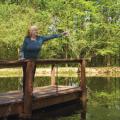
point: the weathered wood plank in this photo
(53, 81)
(55, 99)
(84, 91)
(27, 110)
(18, 63)
(12, 102)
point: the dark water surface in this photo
(103, 98)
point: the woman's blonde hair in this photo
(30, 28)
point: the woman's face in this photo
(33, 31)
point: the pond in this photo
(103, 98)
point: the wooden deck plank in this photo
(44, 96)
(13, 96)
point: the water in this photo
(103, 98)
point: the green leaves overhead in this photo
(94, 26)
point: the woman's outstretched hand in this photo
(65, 33)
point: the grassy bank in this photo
(65, 71)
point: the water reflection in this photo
(8, 84)
(103, 98)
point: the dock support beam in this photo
(53, 81)
(27, 97)
(84, 89)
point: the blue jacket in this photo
(31, 48)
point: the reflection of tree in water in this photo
(8, 84)
(69, 81)
(117, 92)
(103, 100)
(108, 95)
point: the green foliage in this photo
(93, 26)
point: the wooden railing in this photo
(29, 71)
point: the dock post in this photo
(53, 81)
(27, 100)
(84, 91)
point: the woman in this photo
(32, 46)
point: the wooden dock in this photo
(15, 103)
(11, 102)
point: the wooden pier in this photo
(15, 103)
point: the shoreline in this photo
(65, 72)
